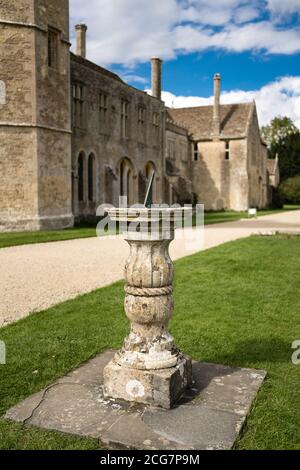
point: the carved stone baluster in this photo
(149, 368)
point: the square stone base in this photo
(161, 387)
(210, 415)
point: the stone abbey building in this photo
(73, 135)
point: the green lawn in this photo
(230, 216)
(236, 304)
(26, 238)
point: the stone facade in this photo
(35, 127)
(228, 158)
(178, 186)
(122, 130)
(74, 135)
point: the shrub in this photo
(290, 190)
(277, 199)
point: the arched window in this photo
(80, 171)
(128, 183)
(126, 180)
(91, 177)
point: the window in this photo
(124, 118)
(91, 172)
(103, 112)
(196, 152)
(141, 123)
(78, 106)
(155, 126)
(126, 180)
(183, 152)
(80, 177)
(52, 48)
(227, 150)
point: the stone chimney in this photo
(81, 30)
(216, 113)
(156, 77)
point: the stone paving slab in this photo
(208, 416)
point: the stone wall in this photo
(178, 165)
(238, 182)
(220, 183)
(53, 116)
(274, 180)
(18, 175)
(106, 143)
(257, 166)
(17, 10)
(40, 146)
(53, 13)
(54, 179)
(17, 71)
(18, 163)
(35, 130)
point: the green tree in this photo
(283, 139)
(290, 190)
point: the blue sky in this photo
(254, 45)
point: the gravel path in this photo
(35, 277)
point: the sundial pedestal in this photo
(149, 368)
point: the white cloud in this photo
(128, 32)
(132, 78)
(251, 36)
(284, 7)
(245, 14)
(131, 31)
(283, 95)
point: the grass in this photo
(231, 216)
(232, 307)
(25, 238)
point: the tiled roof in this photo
(198, 120)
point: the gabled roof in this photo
(198, 121)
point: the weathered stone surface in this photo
(35, 118)
(208, 416)
(200, 427)
(143, 144)
(162, 387)
(149, 368)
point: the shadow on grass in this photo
(257, 352)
